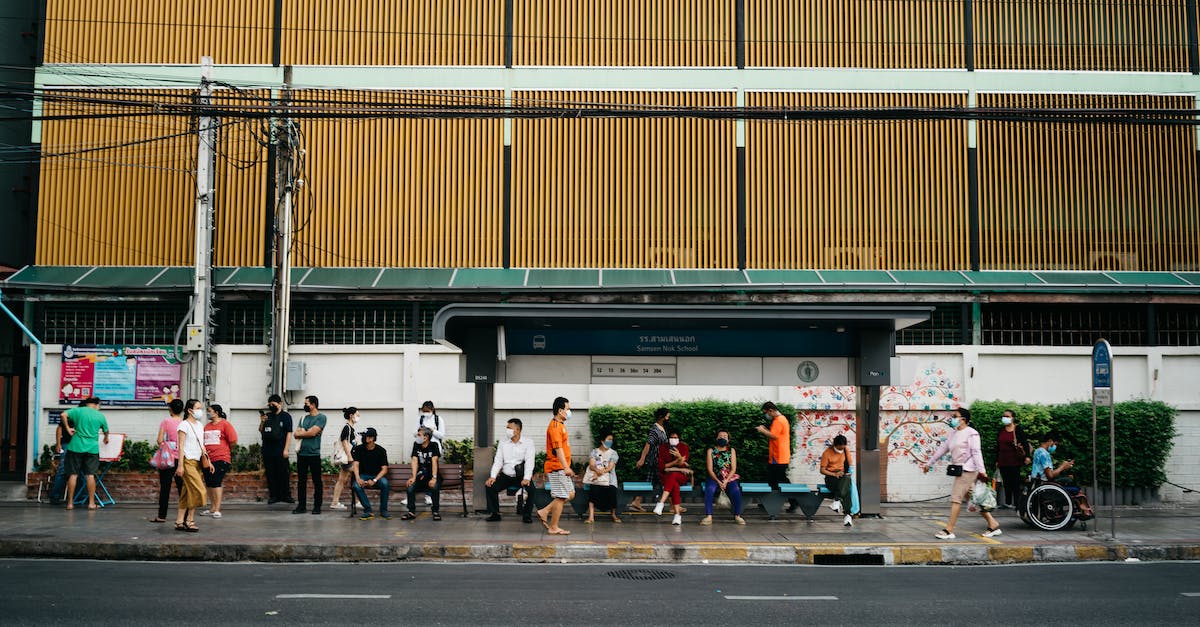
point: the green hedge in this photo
(697, 423)
(1145, 434)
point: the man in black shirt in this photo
(425, 457)
(370, 470)
(275, 426)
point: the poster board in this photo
(119, 375)
(112, 451)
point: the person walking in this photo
(779, 450)
(425, 476)
(192, 459)
(168, 431)
(656, 436)
(513, 465)
(343, 455)
(219, 438)
(966, 459)
(1012, 452)
(275, 425)
(835, 466)
(308, 456)
(601, 479)
(557, 467)
(675, 473)
(721, 463)
(84, 423)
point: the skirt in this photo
(192, 495)
(604, 497)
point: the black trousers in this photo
(305, 465)
(777, 474)
(1011, 475)
(276, 470)
(164, 489)
(503, 481)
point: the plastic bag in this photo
(723, 501)
(984, 496)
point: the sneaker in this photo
(404, 501)
(527, 520)
(216, 514)
(944, 535)
(677, 520)
(991, 533)
(338, 506)
(493, 518)
(207, 512)
(316, 511)
(428, 500)
(658, 509)
(385, 515)
(848, 521)
(366, 516)
(739, 520)
(300, 510)
(706, 521)
(836, 506)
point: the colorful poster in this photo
(119, 375)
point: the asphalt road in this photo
(47, 592)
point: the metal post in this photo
(200, 328)
(284, 130)
(484, 410)
(1112, 470)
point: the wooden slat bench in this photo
(398, 475)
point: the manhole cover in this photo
(641, 574)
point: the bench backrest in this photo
(451, 474)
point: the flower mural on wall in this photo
(824, 412)
(912, 420)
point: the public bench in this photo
(398, 475)
(807, 497)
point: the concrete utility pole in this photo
(199, 340)
(284, 137)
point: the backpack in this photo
(274, 428)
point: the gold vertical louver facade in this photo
(1108, 35)
(623, 33)
(1088, 197)
(624, 193)
(856, 194)
(396, 32)
(401, 192)
(158, 31)
(854, 33)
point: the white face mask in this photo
(511, 434)
(418, 439)
(567, 414)
(427, 414)
(197, 413)
(1006, 421)
(673, 441)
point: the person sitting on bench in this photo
(835, 465)
(425, 456)
(674, 471)
(722, 477)
(513, 466)
(370, 470)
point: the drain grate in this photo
(853, 559)
(641, 574)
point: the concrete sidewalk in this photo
(273, 534)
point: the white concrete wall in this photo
(388, 384)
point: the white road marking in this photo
(1190, 594)
(333, 596)
(731, 597)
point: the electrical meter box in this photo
(293, 379)
(195, 338)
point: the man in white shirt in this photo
(513, 465)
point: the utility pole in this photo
(199, 340)
(284, 131)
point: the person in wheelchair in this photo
(1043, 469)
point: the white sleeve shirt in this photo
(508, 455)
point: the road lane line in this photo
(1190, 594)
(731, 597)
(333, 596)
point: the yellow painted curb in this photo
(917, 555)
(533, 551)
(1010, 554)
(729, 553)
(631, 551)
(452, 551)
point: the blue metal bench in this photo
(807, 497)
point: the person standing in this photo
(656, 436)
(675, 473)
(275, 425)
(191, 456)
(967, 458)
(424, 477)
(601, 479)
(1012, 452)
(513, 465)
(722, 477)
(168, 431)
(429, 418)
(558, 471)
(779, 450)
(308, 457)
(62, 438)
(835, 466)
(219, 438)
(370, 471)
(343, 455)
(85, 424)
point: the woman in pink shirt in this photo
(168, 431)
(965, 451)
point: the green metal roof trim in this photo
(160, 278)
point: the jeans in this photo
(276, 471)
(306, 465)
(383, 486)
(164, 489)
(502, 483)
(422, 485)
(60, 479)
(733, 489)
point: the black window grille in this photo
(946, 325)
(110, 323)
(351, 323)
(1178, 325)
(242, 323)
(1012, 324)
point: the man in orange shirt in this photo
(559, 476)
(779, 450)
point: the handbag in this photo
(166, 456)
(954, 470)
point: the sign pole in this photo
(1102, 396)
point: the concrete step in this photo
(12, 491)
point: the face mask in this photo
(1006, 421)
(567, 414)
(418, 439)
(1052, 448)
(954, 423)
(510, 433)
(427, 414)
(673, 441)
(608, 444)
(197, 413)
(722, 442)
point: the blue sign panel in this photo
(707, 343)
(1102, 365)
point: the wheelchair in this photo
(1051, 506)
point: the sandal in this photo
(437, 516)
(634, 507)
(191, 527)
(180, 527)
(408, 516)
(157, 520)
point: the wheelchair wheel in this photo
(1049, 507)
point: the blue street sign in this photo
(1102, 365)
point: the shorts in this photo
(83, 464)
(561, 486)
(213, 479)
(963, 484)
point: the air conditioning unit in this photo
(1112, 260)
(853, 258)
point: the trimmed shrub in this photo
(459, 452)
(697, 423)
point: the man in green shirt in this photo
(308, 456)
(84, 423)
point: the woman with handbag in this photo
(343, 456)
(722, 477)
(1012, 452)
(166, 458)
(192, 454)
(966, 467)
(601, 479)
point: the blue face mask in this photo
(1006, 421)
(722, 442)
(608, 444)
(1052, 448)
(954, 423)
